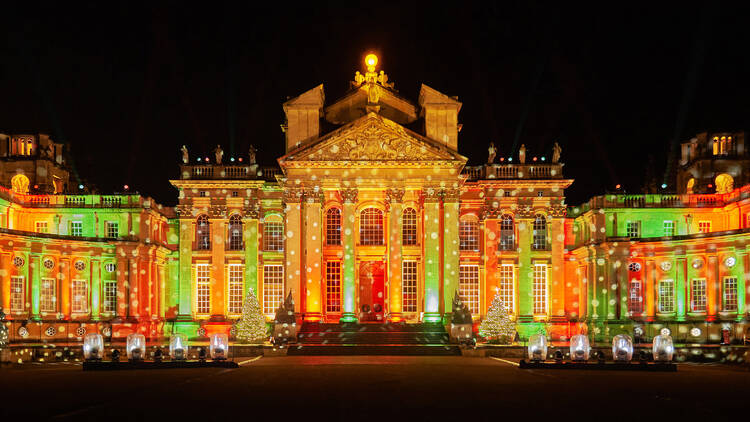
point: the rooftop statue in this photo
(252, 153)
(522, 154)
(556, 151)
(185, 158)
(492, 153)
(219, 154)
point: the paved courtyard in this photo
(368, 388)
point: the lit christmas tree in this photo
(3, 330)
(497, 324)
(251, 328)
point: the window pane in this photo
(371, 227)
(110, 296)
(17, 294)
(730, 294)
(468, 235)
(666, 296)
(409, 227)
(698, 295)
(539, 241)
(273, 236)
(506, 286)
(333, 286)
(235, 233)
(409, 286)
(48, 299)
(507, 234)
(236, 287)
(273, 288)
(635, 298)
(203, 233)
(468, 286)
(203, 289)
(80, 291)
(333, 227)
(540, 289)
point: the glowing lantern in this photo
(622, 348)
(178, 346)
(579, 347)
(537, 347)
(663, 348)
(93, 346)
(219, 344)
(371, 61)
(136, 346)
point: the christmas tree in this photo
(461, 313)
(285, 313)
(251, 327)
(497, 324)
(3, 330)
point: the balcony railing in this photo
(663, 200)
(228, 172)
(74, 201)
(513, 171)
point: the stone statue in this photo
(556, 151)
(219, 154)
(492, 153)
(185, 158)
(522, 154)
(358, 78)
(252, 153)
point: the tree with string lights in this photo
(497, 325)
(252, 328)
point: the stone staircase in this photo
(373, 339)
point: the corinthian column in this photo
(293, 242)
(450, 247)
(432, 255)
(313, 255)
(395, 199)
(349, 197)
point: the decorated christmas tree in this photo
(251, 327)
(497, 324)
(3, 330)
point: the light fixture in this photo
(537, 348)
(178, 346)
(136, 346)
(93, 346)
(663, 348)
(622, 348)
(371, 61)
(579, 348)
(219, 345)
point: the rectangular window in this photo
(635, 298)
(468, 286)
(730, 294)
(47, 297)
(273, 288)
(507, 272)
(236, 287)
(112, 229)
(110, 296)
(666, 296)
(203, 289)
(76, 228)
(41, 227)
(633, 229)
(540, 289)
(704, 226)
(273, 237)
(17, 294)
(333, 286)
(80, 293)
(669, 228)
(698, 295)
(409, 286)
(468, 235)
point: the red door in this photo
(371, 292)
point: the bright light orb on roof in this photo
(371, 60)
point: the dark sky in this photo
(126, 87)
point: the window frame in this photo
(540, 289)
(333, 287)
(48, 295)
(633, 229)
(235, 288)
(76, 226)
(109, 297)
(661, 297)
(730, 295)
(469, 234)
(409, 227)
(79, 296)
(273, 288)
(507, 233)
(235, 227)
(540, 233)
(507, 286)
(110, 228)
(273, 234)
(17, 298)
(202, 289)
(371, 227)
(669, 228)
(333, 226)
(202, 233)
(469, 287)
(409, 286)
(698, 295)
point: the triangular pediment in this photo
(372, 138)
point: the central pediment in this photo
(372, 138)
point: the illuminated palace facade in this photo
(374, 216)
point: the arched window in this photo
(371, 227)
(235, 233)
(333, 227)
(468, 234)
(507, 233)
(539, 241)
(202, 233)
(273, 234)
(409, 227)
(716, 146)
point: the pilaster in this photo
(395, 199)
(450, 248)
(96, 288)
(349, 197)
(313, 256)
(293, 243)
(431, 198)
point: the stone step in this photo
(368, 349)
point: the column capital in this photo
(395, 195)
(432, 194)
(251, 210)
(311, 196)
(349, 195)
(217, 211)
(451, 195)
(292, 195)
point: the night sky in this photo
(617, 88)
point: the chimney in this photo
(303, 117)
(440, 114)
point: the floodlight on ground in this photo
(622, 348)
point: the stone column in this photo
(395, 198)
(556, 272)
(525, 271)
(293, 243)
(33, 269)
(713, 288)
(65, 287)
(95, 266)
(349, 197)
(681, 283)
(187, 233)
(250, 237)
(218, 266)
(431, 225)
(313, 300)
(450, 248)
